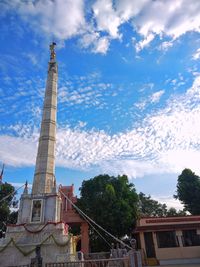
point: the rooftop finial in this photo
(26, 187)
(52, 49)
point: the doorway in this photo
(149, 245)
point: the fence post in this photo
(135, 258)
(37, 261)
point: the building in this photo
(169, 240)
(72, 218)
(39, 226)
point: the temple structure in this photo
(72, 218)
(40, 226)
(169, 241)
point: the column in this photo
(84, 238)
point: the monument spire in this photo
(44, 177)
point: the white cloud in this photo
(95, 42)
(82, 124)
(165, 142)
(102, 45)
(89, 38)
(141, 105)
(127, 9)
(145, 42)
(17, 151)
(169, 201)
(171, 18)
(64, 19)
(179, 159)
(90, 94)
(156, 96)
(149, 18)
(106, 17)
(166, 45)
(31, 57)
(60, 18)
(152, 99)
(196, 55)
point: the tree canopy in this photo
(112, 203)
(188, 191)
(6, 215)
(151, 207)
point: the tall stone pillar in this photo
(39, 226)
(44, 177)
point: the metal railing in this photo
(117, 262)
(131, 260)
(96, 255)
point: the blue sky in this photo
(128, 90)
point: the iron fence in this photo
(96, 255)
(131, 260)
(118, 262)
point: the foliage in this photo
(6, 216)
(112, 203)
(151, 207)
(188, 191)
(173, 212)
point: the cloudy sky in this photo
(128, 90)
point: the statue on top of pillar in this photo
(52, 50)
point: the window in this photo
(65, 204)
(36, 210)
(190, 238)
(166, 239)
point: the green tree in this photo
(188, 191)
(151, 207)
(6, 216)
(112, 203)
(173, 212)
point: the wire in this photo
(88, 222)
(96, 231)
(12, 193)
(86, 217)
(91, 220)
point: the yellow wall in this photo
(172, 253)
(177, 253)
